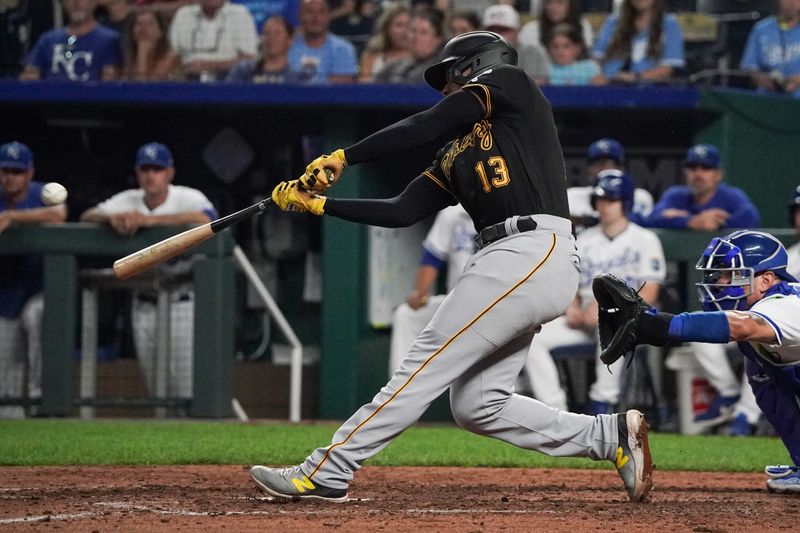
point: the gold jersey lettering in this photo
(480, 130)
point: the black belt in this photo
(489, 234)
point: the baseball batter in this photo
(621, 247)
(504, 165)
(158, 202)
(748, 297)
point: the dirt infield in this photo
(216, 498)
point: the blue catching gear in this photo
(615, 185)
(730, 263)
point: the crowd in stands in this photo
(560, 42)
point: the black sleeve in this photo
(448, 116)
(421, 198)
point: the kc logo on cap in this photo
(16, 155)
(154, 154)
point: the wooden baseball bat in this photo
(177, 244)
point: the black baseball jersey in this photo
(510, 161)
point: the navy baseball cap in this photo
(16, 155)
(154, 154)
(703, 154)
(607, 149)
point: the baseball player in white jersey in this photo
(750, 298)
(618, 246)
(158, 202)
(450, 240)
(604, 154)
(504, 164)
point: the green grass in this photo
(74, 442)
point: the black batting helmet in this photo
(468, 55)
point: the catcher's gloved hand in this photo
(290, 197)
(620, 314)
(323, 172)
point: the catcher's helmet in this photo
(794, 205)
(730, 263)
(468, 55)
(616, 185)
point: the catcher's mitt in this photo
(621, 310)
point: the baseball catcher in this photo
(749, 297)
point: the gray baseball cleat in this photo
(292, 484)
(633, 461)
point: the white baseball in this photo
(54, 193)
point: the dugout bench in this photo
(64, 246)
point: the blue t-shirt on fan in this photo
(264, 9)
(61, 56)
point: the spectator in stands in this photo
(617, 246)
(82, 51)
(391, 42)
(642, 43)
(462, 21)
(532, 58)
(21, 303)
(211, 37)
(427, 41)
(772, 53)
(569, 65)
(322, 56)
(148, 54)
(355, 22)
(168, 8)
(704, 203)
(114, 14)
(553, 13)
(264, 9)
(273, 66)
(158, 202)
(603, 154)
(794, 221)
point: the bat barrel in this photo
(161, 251)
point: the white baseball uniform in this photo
(793, 267)
(180, 199)
(636, 256)
(450, 239)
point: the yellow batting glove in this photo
(290, 197)
(323, 172)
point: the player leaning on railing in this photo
(504, 165)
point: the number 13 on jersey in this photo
(498, 166)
